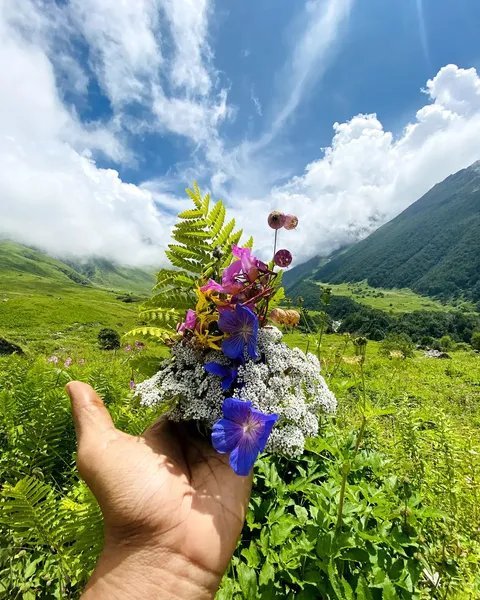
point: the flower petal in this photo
(226, 435)
(229, 378)
(268, 421)
(243, 457)
(215, 368)
(228, 321)
(233, 346)
(236, 410)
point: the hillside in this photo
(17, 260)
(433, 247)
(47, 304)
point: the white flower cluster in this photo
(284, 381)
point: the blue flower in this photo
(242, 325)
(243, 432)
(228, 374)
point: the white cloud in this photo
(51, 193)
(189, 24)
(124, 45)
(319, 29)
(367, 176)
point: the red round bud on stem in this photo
(276, 219)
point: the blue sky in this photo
(111, 109)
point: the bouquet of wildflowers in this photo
(229, 369)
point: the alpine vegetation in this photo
(229, 370)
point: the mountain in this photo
(432, 247)
(17, 260)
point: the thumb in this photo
(91, 419)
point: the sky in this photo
(342, 112)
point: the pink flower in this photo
(53, 359)
(68, 362)
(190, 321)
(139, 345)
(291, 221)
(212, 285)
(249, 263)
(128, 348)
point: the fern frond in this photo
(154, 332)
(224, 235)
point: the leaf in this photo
(247, 579)
(267, 573)
(388, 592)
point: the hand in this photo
(173, 508)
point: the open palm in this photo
(166, 488)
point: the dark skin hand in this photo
(172, 506)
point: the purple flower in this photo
(68, 362)
(242, 325)
(139, 345)
(212, 285)
(128, 348)
(228, 374)
(243, 432)
(282, 258)
(131, 384)
(53, 359)
(190, 321)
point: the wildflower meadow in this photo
(366, 454)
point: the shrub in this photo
(475, 341)
(397, 342)
(108, 339)
(446, 343)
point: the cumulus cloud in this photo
(367, 175)
(51, 192)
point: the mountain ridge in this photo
(432, 247)
(17, 259)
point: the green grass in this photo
(392, 301)
(44, 314)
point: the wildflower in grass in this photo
(128, 348)
(282, 258)
(53, 359)
(131, 384)
(68, 362)
(276, 219)
(291, 221)
(139, 345)
(243, 433)
(242, 326)
(81, 361)
(228, 374)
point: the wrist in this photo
(127, 570)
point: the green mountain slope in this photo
(49, 305)
(433, 247)
(19, 260)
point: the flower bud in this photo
(277, 315)
(282, 258)
(291, 221)
(292, 317)
(276, 219)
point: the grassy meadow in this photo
(388, 300)
(383, 505)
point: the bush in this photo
(397, 342)
(108, 339)
(475, 341)
(446, 343)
